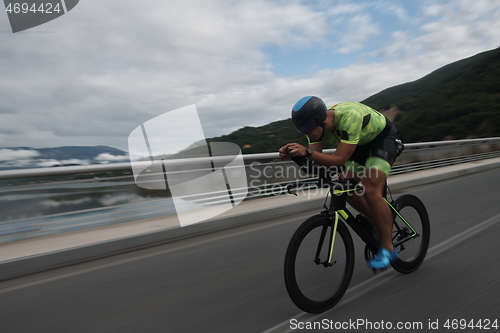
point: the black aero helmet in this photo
(308, 113)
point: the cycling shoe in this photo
(383, 259)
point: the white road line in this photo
(374, 282)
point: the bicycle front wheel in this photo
(315, 283)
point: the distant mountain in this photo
(26, 157)
(457, 101)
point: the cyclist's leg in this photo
(374, 180)
(382, 153)
(357, 201)
(378, 157)
(355, 169)
(374, 183)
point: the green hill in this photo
(460, 100)
(264, 139)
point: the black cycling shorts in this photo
(380, 153)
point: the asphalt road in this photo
(232, 281)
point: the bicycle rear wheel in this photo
(313, 284)
(411, 233)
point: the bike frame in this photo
(339, 192)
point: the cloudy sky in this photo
(93, 75)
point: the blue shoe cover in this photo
(383, 259)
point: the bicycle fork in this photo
(339, 197)
(317, 259)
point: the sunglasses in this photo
(308, 126)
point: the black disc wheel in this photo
(410, 233)
(314, 282)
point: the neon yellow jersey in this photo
(355, 123)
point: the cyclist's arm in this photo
(294, 149)
(342, 154)
(317, 146)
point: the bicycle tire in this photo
(306, 291)
(414, 211)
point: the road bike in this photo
(319, 260)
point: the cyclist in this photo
(366, 145)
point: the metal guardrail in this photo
(41, 172)
(412, 167)
(413, 160)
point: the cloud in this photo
(359, 29)
(448, 31)
(109, 66)
(54, 162)
(107, 157)
(395, 9)
(17, 154)
(111, 76)
(433, 9)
